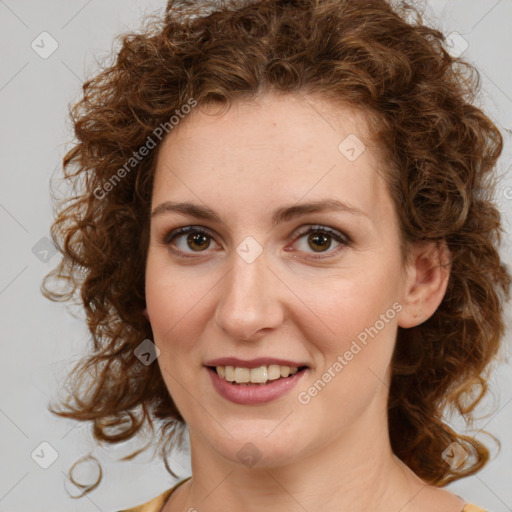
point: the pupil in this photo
(320, 240)
(199, 240)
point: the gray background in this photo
(40, 339)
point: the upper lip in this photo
(252, 363)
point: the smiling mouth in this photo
(260, 375)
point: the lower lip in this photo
(247, 394)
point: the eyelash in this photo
(343, 239)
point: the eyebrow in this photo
(282, 214)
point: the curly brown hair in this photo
(440, 153)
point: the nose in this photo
(249, 303)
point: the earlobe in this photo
(427, 279)
(145, 313)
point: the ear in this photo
(427, 275)
(145, 313)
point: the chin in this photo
(257, 448)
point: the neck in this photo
(354, 473)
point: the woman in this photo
(284, 241)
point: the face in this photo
(274, 248)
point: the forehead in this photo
(271, 150)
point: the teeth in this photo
(274, 372)
(242, 374)
(259, 375)
(230, 373)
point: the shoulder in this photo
(472, 508)
(157, 503)
(154, 505)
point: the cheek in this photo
(350, 304)
(179, 305)
(358, 322)
(174, 300)
(354, 352)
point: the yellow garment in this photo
(156, 504)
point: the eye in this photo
(188, 239)
(320, 239)
(314, 239)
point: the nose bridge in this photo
(248, 302)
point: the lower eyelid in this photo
(331, 252)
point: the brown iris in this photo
(199, 240)
(319, 242)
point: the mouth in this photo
(254, 381)
(260, 375)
